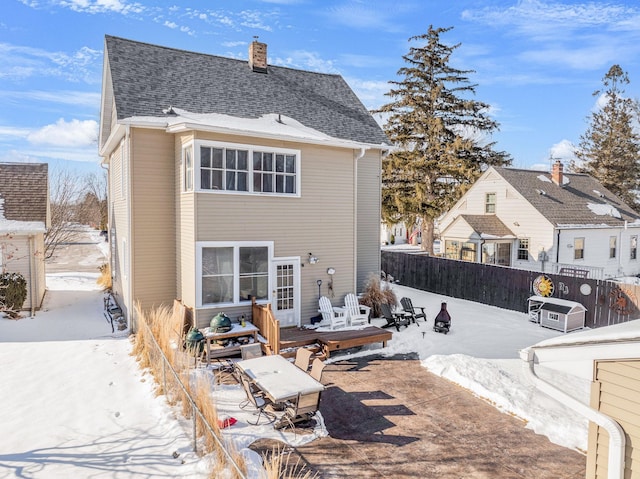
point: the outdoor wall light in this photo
(313, 259)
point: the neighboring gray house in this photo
(24, 219)
(229, 178)
(555, 222)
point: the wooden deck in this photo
(333, 340)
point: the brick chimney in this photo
(556, 173)
(258, 56)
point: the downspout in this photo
(615, 465)
(355, 217)
(557, 248)
(32, 277)
(130, 310)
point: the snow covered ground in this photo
(74, 403)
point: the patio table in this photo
(280, 379)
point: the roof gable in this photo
(24, 192)
(487, 226)
(148, 79)
(580, 201)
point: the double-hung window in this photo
(187, 169)
(233, 273)
(247, 168)
(633, 252)
(523, 249)
(490, 203)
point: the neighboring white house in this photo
(24, 219)
(559, 223)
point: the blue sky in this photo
(536, 62)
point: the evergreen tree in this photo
(610, 148)
(438, 132)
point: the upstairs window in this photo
(633, 252)
(578, 248)
(523, 249)
(612, 246)
(490, 203)
(248, 169)
(187, 169)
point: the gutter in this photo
(615, 464)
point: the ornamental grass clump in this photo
(377, 292)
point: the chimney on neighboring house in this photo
(556, 173)
(258, 56)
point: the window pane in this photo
(280, 163)
(230, 159)
(257, 161)
(267, 161)
(290, 184)
(256, 286)
(216, 180)
(205, 157)
(291, 164)
(217, 261)
(205, 179)
(242, 181)
(217, 289)
(279, 184)
(267, 183)
(231, 180)
(257, 182)
(242, 160)
(217, 158)
(254, 260)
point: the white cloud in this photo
(564, 150)
(64, 97)
(305, 60)
(256, 19)
(97, 6)
(18, 62)
(75, 133)
(169, 24)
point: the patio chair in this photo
(357, 314)
(316, 369)
(302, 358)
(410, 310)
(334, 319)
(302, 409)
(393, 319)
(249, 351)
(255, 399)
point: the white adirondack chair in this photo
(358, 314)
(334, 319)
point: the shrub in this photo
(377, 292)
(13, 293)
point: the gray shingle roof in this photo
(24, 189)
(148, 78)
(567, 204)
(488, 225)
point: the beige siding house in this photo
(553, 222)
(228, 179)
(609, 358)
(24, 219)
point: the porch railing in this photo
(269, 326)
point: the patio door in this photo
(285, 297)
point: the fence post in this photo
(195, 428)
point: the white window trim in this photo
(553, 316)
(250, 148)
(200, 245)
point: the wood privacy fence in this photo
(607, 302)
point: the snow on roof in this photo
(629, 331)
(13, 226)
(604, 209)
(544, 178)
(272, 125)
